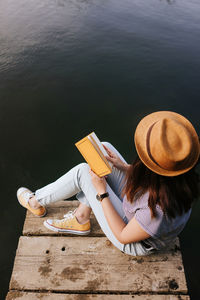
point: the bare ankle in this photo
(81, 221)
(82, 213)
(34, 203)
(81, 217)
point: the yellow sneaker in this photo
(68, 224)
(23, 196)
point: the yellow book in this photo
(94, 153)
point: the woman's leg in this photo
(115, 181)
(66, 186)
(78, 180)
(75, 182)
(63, 188)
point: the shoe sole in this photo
(47, 225)
(41, 215)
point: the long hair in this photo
(173, 194)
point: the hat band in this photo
(148, 144)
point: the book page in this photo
(100, 149)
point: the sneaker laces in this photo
(70, 214)
(67, 216)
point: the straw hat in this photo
(167, 143)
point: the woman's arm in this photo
(125, 233)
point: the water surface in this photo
(68, 67)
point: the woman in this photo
(141, 207)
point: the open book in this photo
(95, 154)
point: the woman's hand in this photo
(114, 158)
(98, 182)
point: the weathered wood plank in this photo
(34, 225)
(35, 296)
(93, 264)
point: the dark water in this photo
(68, 67)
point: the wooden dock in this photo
(60, 266)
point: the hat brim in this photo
(141, 147)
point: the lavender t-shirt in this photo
(162, 229)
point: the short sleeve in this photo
(149, 224)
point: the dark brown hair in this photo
(173, 194)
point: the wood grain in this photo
(93, 264)
(51, 296)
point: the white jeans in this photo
(78, 182)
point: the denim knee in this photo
(84, 167)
